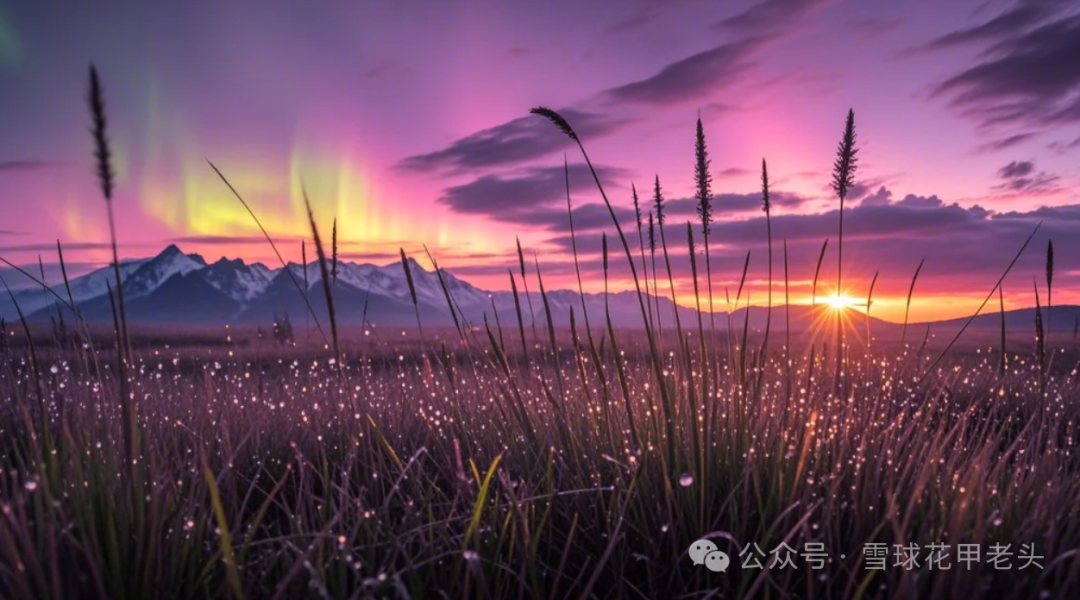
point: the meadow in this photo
(507, 460)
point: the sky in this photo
(409, 123)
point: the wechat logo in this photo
(705, 552)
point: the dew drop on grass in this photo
(30, 485)
(686, 480)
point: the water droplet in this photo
(686, 480)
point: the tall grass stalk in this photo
(450, 303)
(738, 297)
(334, 253)
(703, 369)
(981, 306)
(703, 195)
(907, 304)
(817, 273)
(843, 179)
(1003, 367)
(1049, 284)
(412, 291)
(307, 288)
(787, 323)
(573, 247)
(656, 289)
(525, 283)
(325, 273)
(106, 176)
(869, 303)
(641, 249)
(658, 203)
(1040, 337)
(105, 173)
(560, 122)
(273, 246)
(766, 208)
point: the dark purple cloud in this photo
(1028, 73)
(513, 197)
(1005, 143)
(690, 78)
(652, 10)
(732, 172)
(1016, 169)
(27, 165)
(1010, 22)
(965, 248)
(1062, 147)
(522, 139)
(722, 66)
(881, 197)
(51, 247)
(1021, 177)
(767, 16)
(731, 203)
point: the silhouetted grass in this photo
(567, 469)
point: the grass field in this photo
(498, 461)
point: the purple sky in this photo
(409, 123)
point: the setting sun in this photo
(840, 301)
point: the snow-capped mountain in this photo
(237, 280)
(178, 288)
(174, 288)
(91, 285)
(156, 271)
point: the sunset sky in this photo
(409, 122)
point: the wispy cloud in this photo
(1005, 143)
(1016, 169)
(1011, 21)
(28, 165)
(768, 16)
(514, 142)
(51, 247)
(1062, 147)
(1027, 74)
(874, 26)
(1020, 177)
(732, 172)
(225, 240)
(692, 77)
(514, 197)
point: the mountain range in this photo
(177, 288)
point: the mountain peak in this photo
(414, 264)
(228, 262)
(169, 251)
